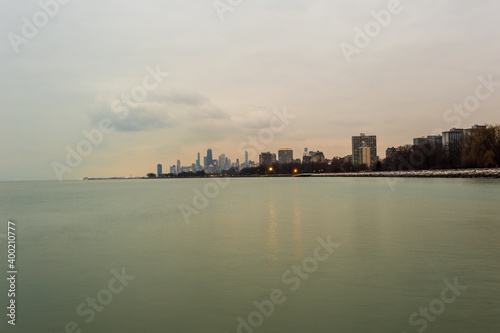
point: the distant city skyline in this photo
(364, 150)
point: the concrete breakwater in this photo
(451, 173)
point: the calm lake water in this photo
(254, 240)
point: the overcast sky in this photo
(226, 77)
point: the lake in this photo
(254, 255)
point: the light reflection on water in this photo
(396, 250)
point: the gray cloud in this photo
(138, 119)
(159, 110)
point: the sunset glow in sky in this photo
(225, 78)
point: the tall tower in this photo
(222, 162)
(159, 172)
(246, 158)
(210, 159)
(357, 142)
(198, 160)
(178, 166)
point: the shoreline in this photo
(443, 173)
(447, 173)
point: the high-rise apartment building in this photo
(246, 158)
(474, 129)
(453, 137)
(433, 139)
(420, 141)
(159, 170)
(285, 155)
(178, 166)
(369, 141)
(266, 158)
(365, 155)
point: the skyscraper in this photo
(357, 142)
(285, 155)
(178, 166)
(222, 162)
(198, 161)
(246, 158)
(210, 159)
(158, 170)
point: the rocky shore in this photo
(454, 173)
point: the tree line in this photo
(479, 148)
